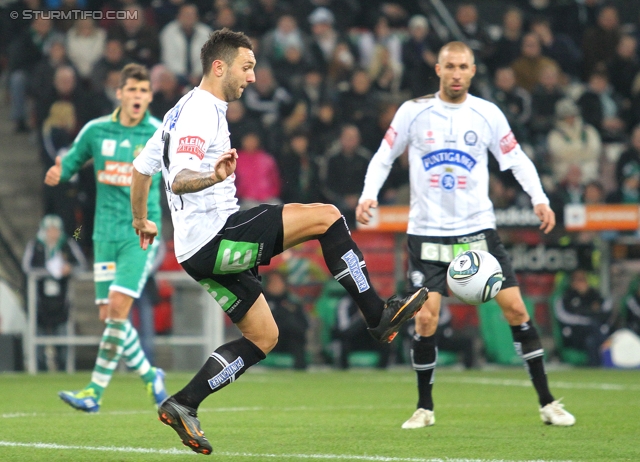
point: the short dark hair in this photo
(222, 44)
(133, 71)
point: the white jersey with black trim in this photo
(448, 148)
(199, 134)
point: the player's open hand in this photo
(225, 165)
(547, 217)
(363, 211)
(147, 230)
(52, 178)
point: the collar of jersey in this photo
(217, 100)
(116, 119)
(451, 105)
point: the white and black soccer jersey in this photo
(199, 134)
(448, 148)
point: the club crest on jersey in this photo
(429, 139)
(448, 181)
(448, 157)
(191, 145)
(470, 138)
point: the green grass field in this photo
(329, 415)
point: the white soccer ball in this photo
(475, 277)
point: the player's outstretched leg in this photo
(134, 357)
(302, 222)
(88, 399)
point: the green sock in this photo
(134, 355)
(111, 347)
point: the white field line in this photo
(181, 452)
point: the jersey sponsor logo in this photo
(235, 256)
(508, 142)
(104, 271)
(353, 265)
(192, 145)
(470, 138)
(227, 373)
(390, 136)
(108, 148)
(115, 173)
(432, 251)
(450, 157)
(222, 296)
(429, 139)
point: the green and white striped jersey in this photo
(113, 147)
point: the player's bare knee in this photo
(426, 322)
(515, 313)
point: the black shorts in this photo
(227, 266)
(429, 258)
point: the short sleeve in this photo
(149, 161)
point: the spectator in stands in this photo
(313, 90)
(24, 53)
(85, 46)
(325, 128)
(350, 334)
(573, 142)
(165, 11)
(343, 170)
(225, 17)
(113, 59)
(299, 171)
(324, 38)
(384, 72)
(624, 67)
(558, 46)
(509, 44)
(530, 64)
(41, 79)
(258, 179)
(602, 107)
(294, 121)
(569, 190)
(263, 16)
(600, 41)
(286, 34)
(382, 36)
(240, 124)
(544, 97)
(340, 67)
(513, 100)
(584, 316)
(574, 17)
(628, 190)
(475, 34)
(166, 91)
(266, 100)
(357, 105)
(180, 44)
(630, 158)
(290, 70)
(58, 255)
(419, 57)
(373, 133)
(290, 317)
(140, 39)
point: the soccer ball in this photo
(475, 277)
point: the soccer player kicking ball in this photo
(121, 268)
(221, 247)
(448, 135)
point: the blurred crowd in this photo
(330, 76)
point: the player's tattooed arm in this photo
(189, 181)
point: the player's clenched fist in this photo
(52, 178)
(363, 211)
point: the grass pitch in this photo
(271, 415)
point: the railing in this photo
(211, 336)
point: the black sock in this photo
(424, 355)
(345, 262)
(224, 366)
(528, 346)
